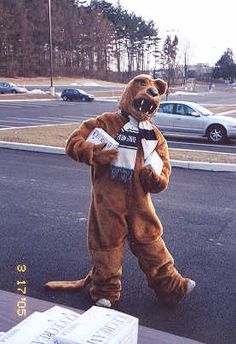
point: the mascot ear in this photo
(161, 85)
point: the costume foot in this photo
(172, 300)
(103, 303)
(190, 286)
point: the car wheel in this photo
(13, 91)
(216, 134)
(83, 99)
(65, 98)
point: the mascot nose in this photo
(152, 92)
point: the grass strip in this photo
(56, 135)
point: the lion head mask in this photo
(142, 96)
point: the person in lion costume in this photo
(121, 206)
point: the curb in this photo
(32, 147)
(191, 165)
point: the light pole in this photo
(52, 88)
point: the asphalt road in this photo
(221, 94)
(34, 113)
(207, 98)
(44, 201)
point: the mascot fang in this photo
(121, 208)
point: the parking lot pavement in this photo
(44, 205)
(37, 113)
(33, 113)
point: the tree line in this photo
(90, 38)
(95, 39)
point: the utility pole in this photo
(52, 88)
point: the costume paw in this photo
(149, 179)
(104, 157)
(103, 303)
(190, 286)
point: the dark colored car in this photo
(70, 94)
(9, 87)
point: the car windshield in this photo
(202, 110)
(11, 84)
(81, 91)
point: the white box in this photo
(41, 328)
(103, 326)
(155, 162)
(25, 330)
(99, 135)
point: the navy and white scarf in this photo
(128, 138)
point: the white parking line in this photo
(37, 126)
(216, 105)
(46, 119)
(199, 144)
(16, 122)
(28, 105)
(85, 116)
(62, 119)
(10, 106)
(227, 112)
(204, 151)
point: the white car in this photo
(9, 87)
(188, 119)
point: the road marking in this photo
(216, 105)
(73, 116)
(63, 119)
(8, 106)
(201, 144)
(26, 100)
(42, 119)
(6, 121)
(203, 151)
(36, 126)
(227, 112)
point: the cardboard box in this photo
(102, 326)
(155, 162)
(99, 135)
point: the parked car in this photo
(9, 87)
(187, 118)
(70, 94)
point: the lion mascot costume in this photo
(121, 206)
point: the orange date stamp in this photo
(21, 305)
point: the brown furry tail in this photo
(69, 285)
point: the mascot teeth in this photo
(144, 106)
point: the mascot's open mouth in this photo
(144, 106)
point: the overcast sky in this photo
(208, 26)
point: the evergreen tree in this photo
(225, 67)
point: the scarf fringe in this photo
(121, 174)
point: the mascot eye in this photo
(142, 82)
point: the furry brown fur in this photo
(119, 211)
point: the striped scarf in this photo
(128, 138)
